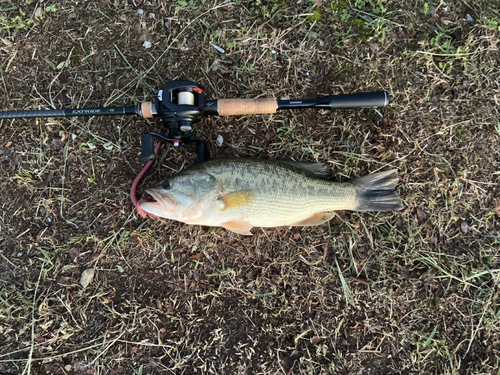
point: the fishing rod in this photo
(180, 104)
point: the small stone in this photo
(469, 18)
(140, 11)
(68, 367)
(146, 44)
(464, 226)
(219, 49)
(87, 277)
(219, 140)
(38, 14)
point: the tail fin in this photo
(375, 192)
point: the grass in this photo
(409, 293)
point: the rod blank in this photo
(72, 112)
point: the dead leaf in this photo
(47, 179)
(7, 42)
(57, 144)
(433, 19)
(496, 211)
(421, 216)
(400, 35)
(8, 144)
(163, 333)
(315, 340)
(120, 370)
(133, 349)
(135, 238)
(360, 280)
(196, 256)
(72, 158)
(457, 34)
(87, 277)
(79, 366)
(63, 280)
(73, 254)
(374, 47)
(296, 236)
(39, 338)
(289, 363)
(269, 134)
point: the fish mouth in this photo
(162, 205)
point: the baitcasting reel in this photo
(180, 104)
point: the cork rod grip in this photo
(146, 110)
(231, 107)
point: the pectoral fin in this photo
(316, 219)
(240, 227)
(237, 199)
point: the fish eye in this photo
(167, 185)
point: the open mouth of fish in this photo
(160, 203)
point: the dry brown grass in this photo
(394, 293)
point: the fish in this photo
(242, 193)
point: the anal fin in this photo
(316, 219)
(240, 227)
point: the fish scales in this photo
(283, 193)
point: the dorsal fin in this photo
(316, 170)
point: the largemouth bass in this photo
(239, 194)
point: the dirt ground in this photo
(409, 292)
